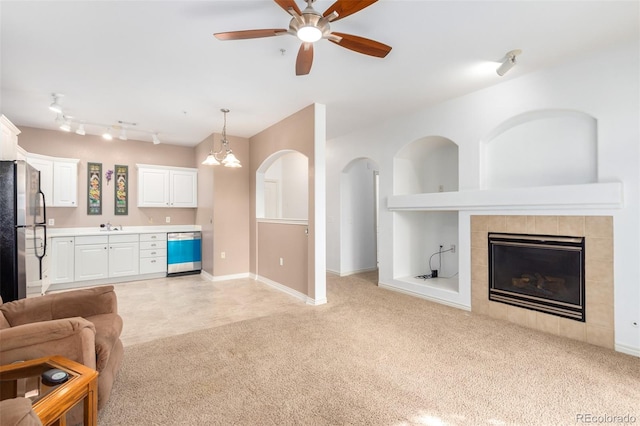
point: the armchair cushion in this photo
(18, 412)
(108, 330)
(78, 303)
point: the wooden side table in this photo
(51, 403)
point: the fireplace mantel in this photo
(583, 196)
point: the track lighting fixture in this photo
(508, 62)
(107, 135)
(55, 106)
(65, 123)
(224, 154)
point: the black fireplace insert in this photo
(539, 272)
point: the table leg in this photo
(91, 404)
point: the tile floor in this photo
(164, 307)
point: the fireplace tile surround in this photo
(598, 329)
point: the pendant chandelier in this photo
(224, 155)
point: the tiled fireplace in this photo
(598, 327)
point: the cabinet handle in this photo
(153, 252)
(153, 261)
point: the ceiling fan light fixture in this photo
(309, 33)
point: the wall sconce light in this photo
(224, 155)
(508, 62)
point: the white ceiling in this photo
(156, 63)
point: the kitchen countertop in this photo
(72, 232)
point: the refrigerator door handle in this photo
(44, 204)
(40, 256)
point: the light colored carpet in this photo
(371, 357)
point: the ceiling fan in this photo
(310, 26)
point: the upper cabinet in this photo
(8, 139)
(162, 186)
(58, 179)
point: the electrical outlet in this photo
(281, 262)
(52, 222)
(167, 219)
(453, 248)
(223, 255)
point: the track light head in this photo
(156, 140)
(55, 106)
(508, 62)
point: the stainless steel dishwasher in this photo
(184, 253)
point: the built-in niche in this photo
(427, 165)
(282, 187)
(540, 148)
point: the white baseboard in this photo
(629, 350)
(230, 277)
(423, 296)
(288, 290)
(358, 271)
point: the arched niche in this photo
(359, 216)
(541, 148)
(282, 186)
(429, 164)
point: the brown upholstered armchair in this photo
(81, 325)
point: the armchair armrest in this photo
(76, 303)
(73, 338)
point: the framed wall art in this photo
(94, 188)
(121, 203)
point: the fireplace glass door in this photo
(539, 272)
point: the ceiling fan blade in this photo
(362, 45)
(345, 8)
(241, 35)
(305, 59)
(286, 4)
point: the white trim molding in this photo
(291, 292)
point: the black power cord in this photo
(434, 272)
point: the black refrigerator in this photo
(22, 223)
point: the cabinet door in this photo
(91, 262)
(153, 188)
(46, 176)
(184, 188)
(61, 262)
(123, 259)
(65, 184)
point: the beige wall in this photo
(291, 248)
(294, 132)
(223, 211)
(91, 148)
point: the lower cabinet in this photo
(62, 260)
(153, 253)
(123, 255)
(100, 257)
(105, 256)
(91, 258)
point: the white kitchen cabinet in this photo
(91, 258)
(58, 179)
(124, 255)
(161, 186)
(61, 264)
(65, 183)
(8, 139)
(153, 253)
(34, 282)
